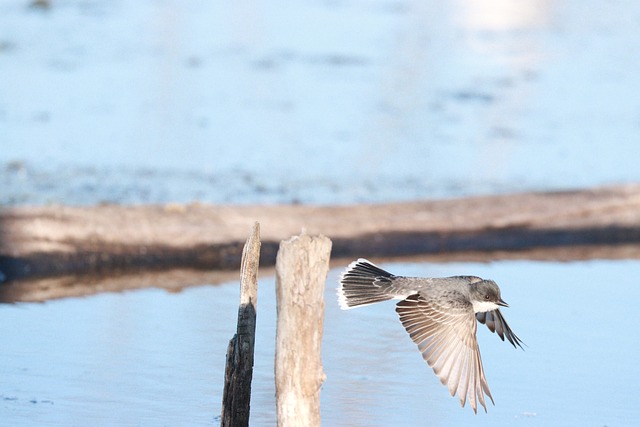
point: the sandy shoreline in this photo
(49, 252)
(49, 241)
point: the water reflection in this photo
(158, 358)
(504, 15)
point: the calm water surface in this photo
(314, 102)
(149, 357)
(319, 102)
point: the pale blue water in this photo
(324, 102)
(319, 102)
(148, 357)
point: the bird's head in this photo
(485, 296)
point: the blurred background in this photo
(314, 102)
(329, 102)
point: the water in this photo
(148, 357)
(314, 102)
(318, 102)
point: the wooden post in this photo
(239, 369)
(301, 271)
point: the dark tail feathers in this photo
(363, 283)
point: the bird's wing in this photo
(447, 340)
(496, 323)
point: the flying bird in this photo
(440, 315)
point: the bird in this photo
(440, 315)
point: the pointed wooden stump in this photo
(239, 369)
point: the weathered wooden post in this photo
(239, 369)
(301, 271)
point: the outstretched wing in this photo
(447, 341)
(496, 323)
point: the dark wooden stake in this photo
(239, 369)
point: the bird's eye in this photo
(487, 297)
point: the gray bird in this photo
(440, 315)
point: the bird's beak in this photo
(502, 303)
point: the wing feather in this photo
(446, 338)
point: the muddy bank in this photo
(47, 288)
(48, 241)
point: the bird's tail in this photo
(364, 283)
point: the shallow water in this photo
(323, 102)
(149, 357)
(317, 101)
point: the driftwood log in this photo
(48, 241)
